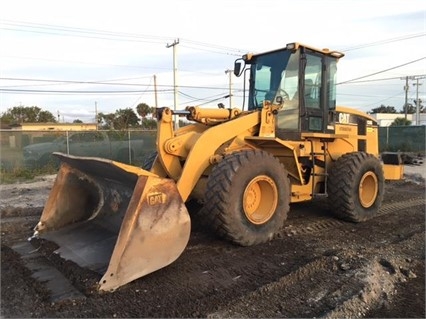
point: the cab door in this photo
(312, 108)
(309, 83)
(318, 99)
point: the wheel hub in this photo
(260, 199)
(368, 189)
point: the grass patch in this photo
(21, 174)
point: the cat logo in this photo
(344, 118)
(156, 198)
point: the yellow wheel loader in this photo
(291, 144)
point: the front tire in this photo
(356, 186)
(247, 197)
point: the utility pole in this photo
(406, 97)
(417, 101)
(155, 91)
(406, 87)
(174, 44)
(230, 86)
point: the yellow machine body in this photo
(245, 166)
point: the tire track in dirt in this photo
(361, 283)
(306, 288)
(321, 223)
(302, 226)
(392, 207)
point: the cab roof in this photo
(297, 46)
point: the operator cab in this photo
(301, 79)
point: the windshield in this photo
(273, 75)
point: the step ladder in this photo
(314, 174)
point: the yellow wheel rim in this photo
(368, 189)
(260, 199)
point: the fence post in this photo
(68, 142)
(130, 150)
(387, 138)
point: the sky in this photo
(78, 58)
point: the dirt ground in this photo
(317, 266)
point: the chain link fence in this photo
(402, 138)
(33, 149)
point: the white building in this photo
(386, 119)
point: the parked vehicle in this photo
(90, 143)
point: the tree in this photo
(401, 121)
(149, 124)
(144, 109)
(383, 109)
(106, 121)
(421, 107)
(411, 109)
(122, 119)
(77, 121)
(27, 114)
(125, 118)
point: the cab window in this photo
(312, 81)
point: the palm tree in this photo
(400, 121)
(143, 110)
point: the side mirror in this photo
(238, 67)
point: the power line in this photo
(79, 32)
(105, 82)
(395, 67)
(89, 63)
(108, 82)
(386, 41)
(195, 99)
(104, 35)
(381, 79)
(381, 101)
(60, 92)
(96, 82)
(7, 90)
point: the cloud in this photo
(106, 41)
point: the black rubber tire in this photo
(224, 205)
(344, 186)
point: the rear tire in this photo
(356, 186)
(247, 197)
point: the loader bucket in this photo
(118, 220)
